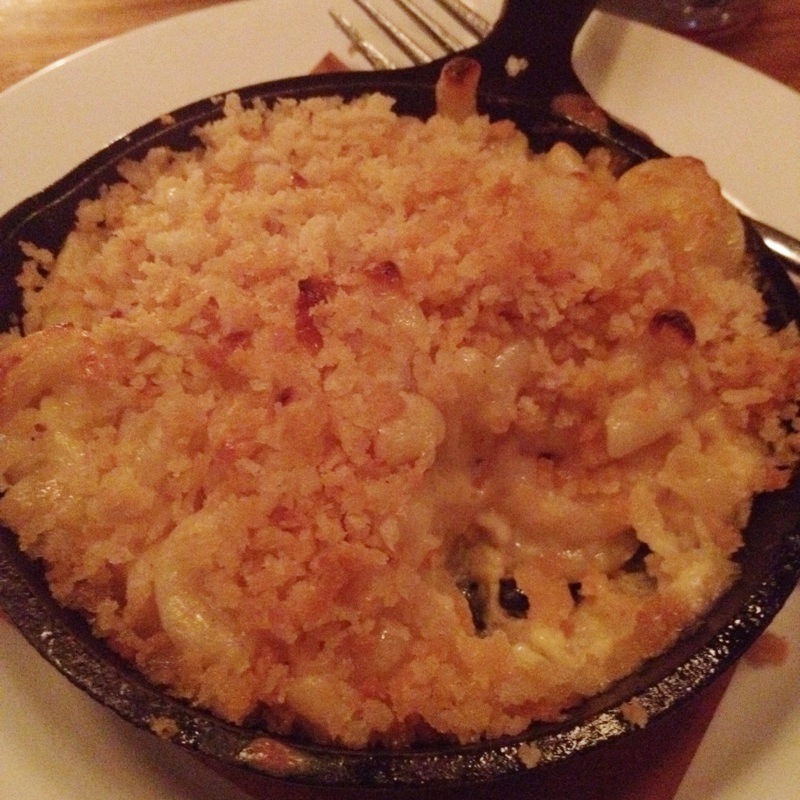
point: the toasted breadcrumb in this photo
(515, 65)
(529, 754)
(164, 727)
(634, 712)
(385, 430)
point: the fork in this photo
(473, 27)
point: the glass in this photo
(705, 19)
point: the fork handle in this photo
(537, 35)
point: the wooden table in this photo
(34, 33)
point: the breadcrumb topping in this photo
(386, 430)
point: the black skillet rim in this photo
(700, 657)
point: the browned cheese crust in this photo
(381, 428)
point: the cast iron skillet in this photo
(542, 31)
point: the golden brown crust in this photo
(388, 429)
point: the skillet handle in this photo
(543, 33)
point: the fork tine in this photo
(427, 23)
(376, 59)
(470, 19)
(412, 49)
(461, 13)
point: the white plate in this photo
(56, 744)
